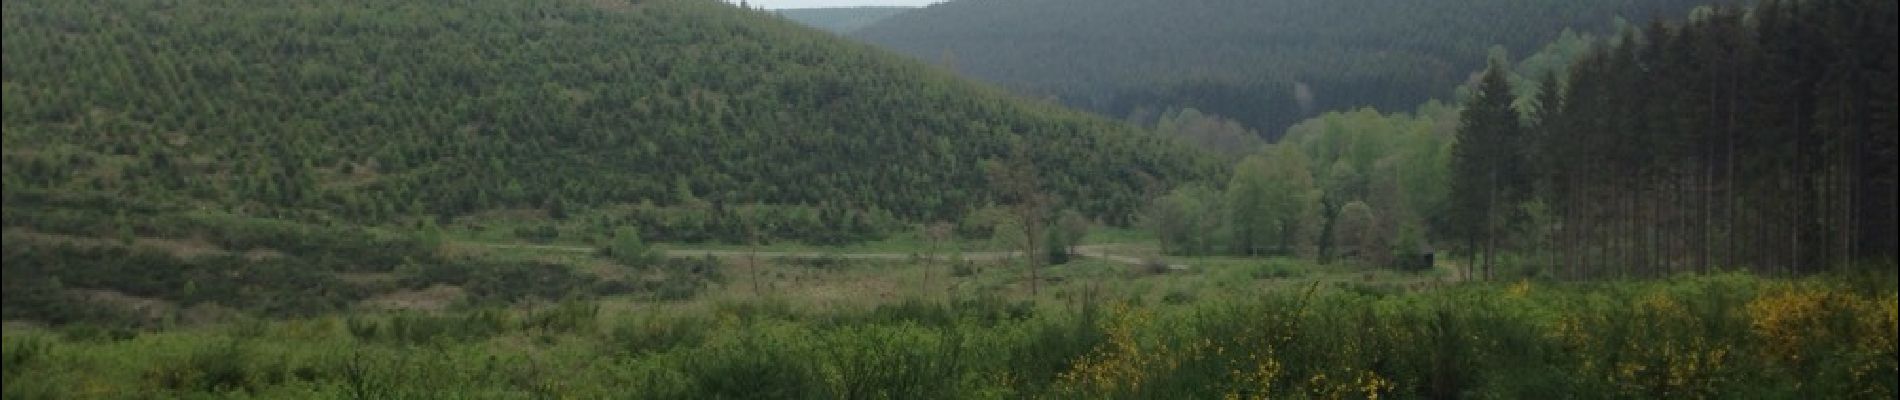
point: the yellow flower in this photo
(1788, 319)
(1520, 289)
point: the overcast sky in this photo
(835, 3)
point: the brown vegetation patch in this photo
(837, 292)
(598, 267)
(181, 248)
(262, 254)
(206, 313)
(513, 214)
(433, 298)
(367, 278)
(465, 250)
(14, 325)
(145, 308)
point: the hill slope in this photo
(1267, 64)
(294, 159)
(372, 110)
(840, 20)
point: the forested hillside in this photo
(293, 159)
(840, 20)
(1266, 64)
(376, 111)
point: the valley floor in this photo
(791, 324)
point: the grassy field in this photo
(839, 328)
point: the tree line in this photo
(1358, 186)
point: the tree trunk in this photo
(1490, 215)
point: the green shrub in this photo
(824, 262)
(567, 317)
(630, 251)
(542, 233)
(648, 334)
(1278, 268)
(963, 269)
(503, 282)
(23, 352)
(419, 328)
(215, 366)
(1177, 296)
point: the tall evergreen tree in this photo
(1489, 178)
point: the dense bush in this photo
(502, 282)
(685, 278)
(298, 276)
(37, 274)
(713, 222)
(333, 247)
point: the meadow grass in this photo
(1102, 332)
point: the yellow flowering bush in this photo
(1117, 366)
(1787, 319)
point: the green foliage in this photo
(1009, 235)
(630, 251)
(982, 223)
(1066, 231)
(1268, 207)
(1398, 164)
(824, 225)
(540, 233)
(962, 269)
(1055, 248)
(211, 368)
(502, 282)
(1277, 268)
(1189, 221)
(23, 351)
(1177, 296)
(38, 274)
(1270, 199)
(1552, 60)
(421, 329)
(1358, 235)
(686, 277)
(569, 316)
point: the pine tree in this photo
(1488, 178)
